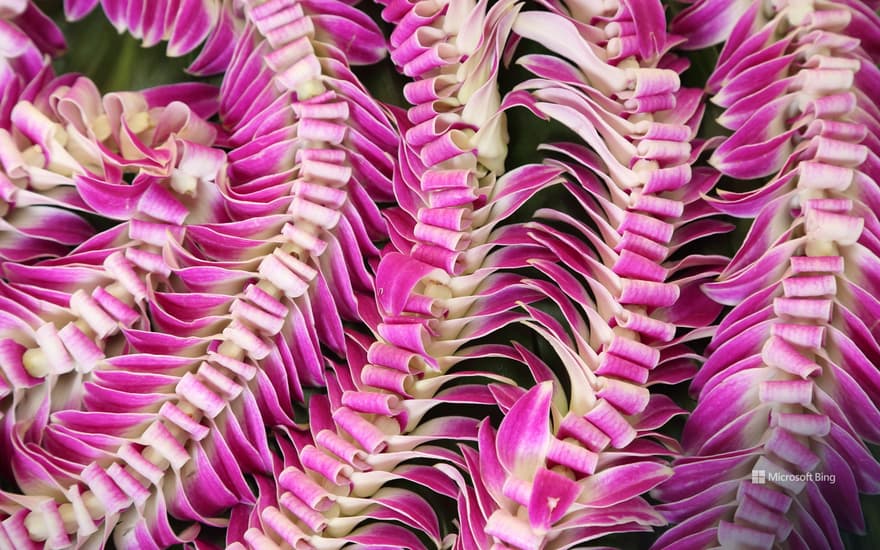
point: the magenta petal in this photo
(191, 26)
(552, 494)
(492, 472)
(397, 276)
(385, 536)
(525, 432)
(414, 508)
(619, 483)
(42, 30)
(117, 201)
(216, 55)
(202, 99)
(354, 33)
(708, 22)
(77, 9)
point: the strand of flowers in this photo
(89, 145)
(643, 154)
(520, 198)
(301, 134)
(154, 203)
(27, 229)
(429, 280)
(37, 178)
(211, 371)
(25, 190)
(372, 409)
(794, 355)
(314, 476)
(400, 446)
(617, 408)
(790, 389)
(267, 513)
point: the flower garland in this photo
(265, 308)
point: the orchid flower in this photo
(642, 152)
(776, 450)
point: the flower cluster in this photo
(790, 384)
(266, 307)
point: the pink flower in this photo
(788, 390)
